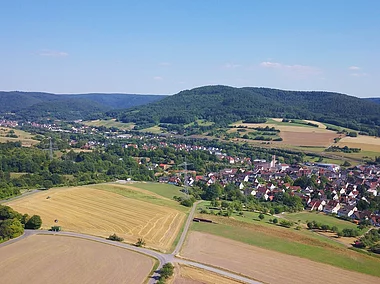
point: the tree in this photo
(261, 216)
(34, 222)
(140, 242)
(166, 271)
(275, 221)
(11, 228)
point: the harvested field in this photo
(366, 143)
(101, 213)
(191, 275)
(265, 265)
(308, 138)
(57, 259)
(297, 134)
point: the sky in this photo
(163, 47)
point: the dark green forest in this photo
(223, 105)
(33, 106)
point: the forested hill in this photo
(223, 105)
(375, 100)
(37, 106)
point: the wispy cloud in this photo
(231, 66)
(165, 64)
(359, 74)
(52, 53)
(157, 78)
(300, 69)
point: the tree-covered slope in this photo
(375, 100)
(223, 104)
(119, 101)
(39, 106)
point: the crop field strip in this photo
(101, 213)
(304, 244)
(190, 275)
(256, 262)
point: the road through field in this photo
(161, 257)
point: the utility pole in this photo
(50, 149)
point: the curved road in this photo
(161, 257)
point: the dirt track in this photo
(56, 259)
(265, 265)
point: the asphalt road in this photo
(161, 257)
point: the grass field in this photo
(154, 129)
(303, 243)
(109, 123)
(273, 267)
(58, 259)
(308, 216)
(96, 210)
(163, 189)
(25, 137)
(185, 274)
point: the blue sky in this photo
(162, 47)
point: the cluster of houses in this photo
(341, 194)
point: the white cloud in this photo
(301, 69)
(157, 78)
(231, 66)
(52, 53)
(354, 68)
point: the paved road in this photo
(185, 229)
(161, 257)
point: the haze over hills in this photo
(37, 105)
(223, 105)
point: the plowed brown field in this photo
(102, 213)
(56, 259)
(265, 265)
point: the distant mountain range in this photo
(219, 104)
(223, 105)
(36, 105)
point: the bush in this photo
(350, 232)
(261, 216)
(140, 242)
(116, 238)
(166, 271)
(34, 223)
(286, 223)
(275, 221)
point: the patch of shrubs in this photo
(115, 237)
(286, 223)
(166, 271)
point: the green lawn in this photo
(307, 216)
(330, 254)
(163, 189)
(110, 123)
(154, 129)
